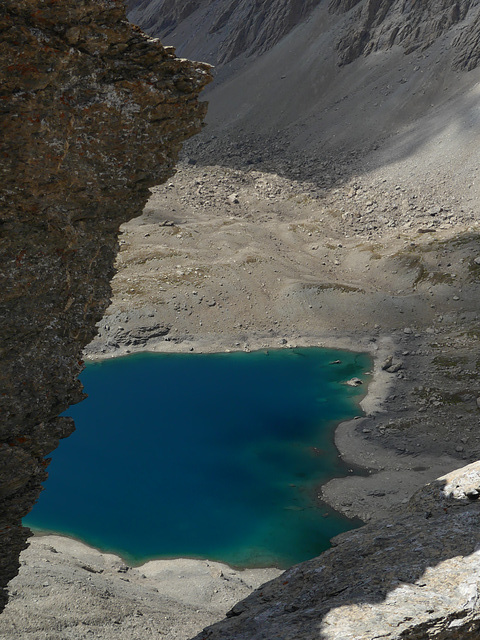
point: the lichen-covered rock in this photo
(92, 114)
(416, 577)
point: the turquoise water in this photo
(212, 456)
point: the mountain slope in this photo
(326, 82)
(220, 30)
(381, 24)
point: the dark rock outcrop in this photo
(93, 113)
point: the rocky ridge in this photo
(233, 28)
(93, 113)
(382, 24)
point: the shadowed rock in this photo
(381, 24)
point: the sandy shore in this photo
(67, 589)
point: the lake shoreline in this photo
(132, 563)
(328, 382)
(211, 276)
(358, 441)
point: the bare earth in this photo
(67, 590)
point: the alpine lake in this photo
(215, 456)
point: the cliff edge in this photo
(93, 113)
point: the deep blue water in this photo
(214, 455)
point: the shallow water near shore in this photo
(205, 455)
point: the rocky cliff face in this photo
(234, 27)
(252, 28)
(414, 578)
(93, 113)
(381, 24)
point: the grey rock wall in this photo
(381, 24)
(234, 27)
